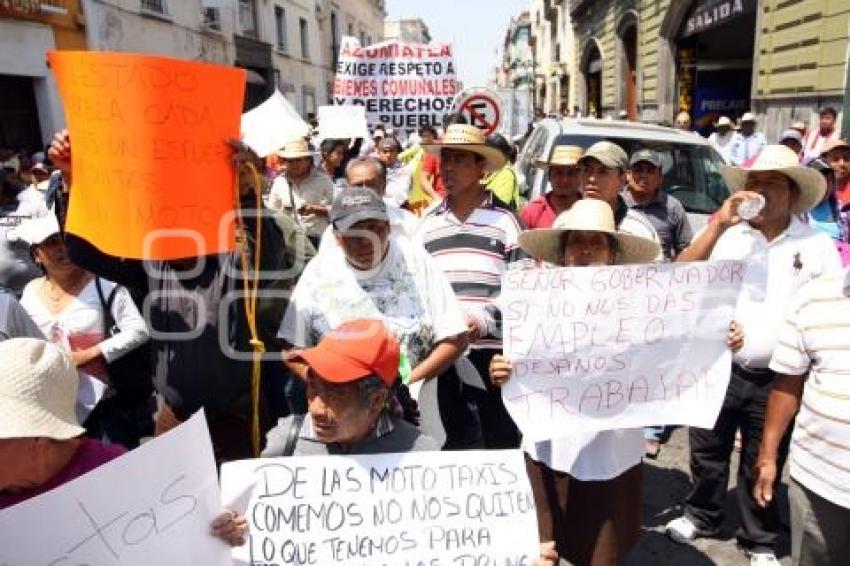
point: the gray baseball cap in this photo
(645, 155)
(608, 154)
(355, 204)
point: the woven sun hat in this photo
(468, 138)
(748, 117)
(782, 160)
(295, 149)
(723, 121)
(34, 231)
(38, 392)
(563, 155)
(587, 215)
(834, 144)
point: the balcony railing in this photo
(155, 7)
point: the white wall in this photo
(23, 52)
(118, 25)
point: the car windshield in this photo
(691, 172)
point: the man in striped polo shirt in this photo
(473, 236)
(812, 362)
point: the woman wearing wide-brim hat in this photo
(587, 487)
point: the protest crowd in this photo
(369, 318)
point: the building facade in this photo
(411, 30)
(650, 59)
(30, 107)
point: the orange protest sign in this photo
(151, 171)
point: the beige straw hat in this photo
(468, 138)
(782, 160)
(564, 155)
(38, 391)
(295, 149)
(589, 215)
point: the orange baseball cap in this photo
(354, 350)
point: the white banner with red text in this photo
(402, 85)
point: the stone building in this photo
(781, 59)
(30, 107)
(412, 30)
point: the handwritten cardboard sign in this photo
(151, 172)
(412, 509)
(153, 505)
(599, 348)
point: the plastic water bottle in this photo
(751, 207)
(404, 369)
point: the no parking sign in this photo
(481, 107)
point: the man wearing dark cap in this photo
(370, 274)
(664, 212)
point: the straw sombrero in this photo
(468, 138)
(38, 392)
(590, 215)
(564, 155)
(782, 160)
(295, 149)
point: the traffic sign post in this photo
(481, 108)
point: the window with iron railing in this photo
(155, 6)
(248, 19)
(212, 18)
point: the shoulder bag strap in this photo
(292, 437)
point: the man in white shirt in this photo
(398, 174)
(782, 254)
(304, 191)
(371, 173)
(721, 139)
(816, 138)
(747, 143)
(812, 361)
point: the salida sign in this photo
(402, 85)
(711, 13)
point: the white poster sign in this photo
(342, 122)
(402, 85)
(411, 509)
(599, 348)
(153, 505)
(272, 124)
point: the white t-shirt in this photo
(406, 290)
(592, 456)
(723, 144)
(775, 271)
(80, 323)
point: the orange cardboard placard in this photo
(151, 171)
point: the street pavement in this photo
(666, 483)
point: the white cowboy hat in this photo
(779, 158)
(38, 392)
(724, 121)
(589, 215)
(468, 138)
(34, 231)
(295, 149)
(563, 155)
(748, 117)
